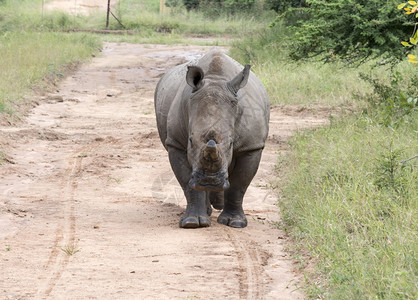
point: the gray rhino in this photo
(212, 117)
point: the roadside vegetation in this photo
(349, 193)
(31, 57)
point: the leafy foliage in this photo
(219, 6)
(411, 8)
(355, 30)
(394, 103)
(280, 6)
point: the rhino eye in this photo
(191, 141)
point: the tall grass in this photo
(351, 201)
(144, 16)
(308, 82)
(30, 51)
(28, 57)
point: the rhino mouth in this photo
(209, 181)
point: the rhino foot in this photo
(232, 220)
(194, 221)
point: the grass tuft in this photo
(70, 249)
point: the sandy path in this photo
(89, 174)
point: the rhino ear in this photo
(194, 77)
(240, 80)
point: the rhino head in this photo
(212, 110)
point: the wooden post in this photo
(163, 9)
(108, 12)
(162, 4)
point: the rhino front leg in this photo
(196, 214)
(244, 169)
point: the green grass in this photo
(32, 53)
(2, 156)
(352, 204)
(29, 57)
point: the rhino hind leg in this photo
(197, 211)
(244, 170)
(216, 199)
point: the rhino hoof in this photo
(194, 222)
(236, 221)
(204, 221)
(189, 222)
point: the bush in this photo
(215, 8)
(280, 6)
(354, 30)
(394, 103)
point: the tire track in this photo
(250, 265)
(65, 234)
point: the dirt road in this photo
(89, 206)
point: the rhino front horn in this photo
(211, 151)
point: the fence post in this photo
(108, 11)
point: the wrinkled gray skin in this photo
(212, 117)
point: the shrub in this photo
(394, 103)
(354, 30)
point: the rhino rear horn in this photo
(240, 80)
(194, 77)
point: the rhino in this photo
(212, 117)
